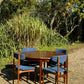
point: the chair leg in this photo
(28, 75)
(35, 77)
(57, 81)
(64, 80)
(67, 78)
(47, 73)
(18, 77)
(43, 77)
(58, 78)
(13, 77)
(64, 77)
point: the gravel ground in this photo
(76, 68)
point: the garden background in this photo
(44, 24)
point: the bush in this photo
(10, 8)
(24, 31)
(7, 46)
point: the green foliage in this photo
(9, 8)
(21, 30)
(7, 46)
(79, 7)
(25, 31)
(51, 38)
(63, 15)
(5, 60)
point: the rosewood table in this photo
(41, 56)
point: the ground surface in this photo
(76, 71)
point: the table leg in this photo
(40, 72)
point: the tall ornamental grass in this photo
(26, 31)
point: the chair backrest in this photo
(28, 49)
(61, 50)
(19, 57)
(62, 58)
(22, 56)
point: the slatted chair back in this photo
(28, 49)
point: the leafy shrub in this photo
(8, 8)
(51, 38)
(24, 31)
(7, 46)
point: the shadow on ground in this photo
(6, 74)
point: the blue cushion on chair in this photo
(54, 69)
(16, 55)
(61, 50)
(53, 60)
(28, 49)
(22, 56)
(62, 58)
(25, 67)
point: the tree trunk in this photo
(52, 20)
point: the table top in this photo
(44, 55)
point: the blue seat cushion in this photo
(54, 69)
(25, 67)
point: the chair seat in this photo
(54, 69)
(25, 67)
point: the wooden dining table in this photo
(41, 56)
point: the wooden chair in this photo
(19, 69)
(53, 63)
(56, 70)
